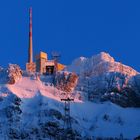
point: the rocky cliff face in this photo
(66, 81)
(102, 78)
(10, 75)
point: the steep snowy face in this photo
(101, 77)
(99, 64)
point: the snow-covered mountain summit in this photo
(99, 64)
(105, 96)
(102, 78)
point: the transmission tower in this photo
(67, 119)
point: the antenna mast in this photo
(30, 51)
(30, 65)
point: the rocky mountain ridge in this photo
(99, 64)
(102, 78)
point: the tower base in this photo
(31, 67)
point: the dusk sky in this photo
(72, 27)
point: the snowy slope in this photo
(93, 119)
(31, 107)
(102, 78)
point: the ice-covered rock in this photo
(10, 75)
(14, 73)
(99, 64)
(101, 75)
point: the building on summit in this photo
(42, 65)
(45, 66)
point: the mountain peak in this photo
(106, 57)
(99, 64)
(82, 58)
(103, 56)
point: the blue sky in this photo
(73, 28)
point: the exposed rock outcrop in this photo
(14, 73)
(66, 81)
